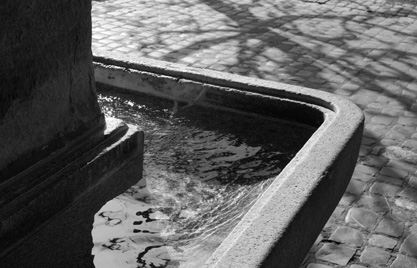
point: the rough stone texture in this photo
(384, 189)
(401, 214)
(390, 227)
(413, 181)
(362, 217)
(374, 256)
(356, 187)
(375, 203)
(393, 172)
(347, 235)
(405, 166)
(46, 75)
(347, 200)
(390, 180)
(403, 261)
(335, 253)
(375, 161)
(366, 170)
(409, 193)
(382, 241)
(404, 203)
(413, 229)
(410, 245)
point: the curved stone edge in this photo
(281, 227)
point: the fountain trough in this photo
(283, 224)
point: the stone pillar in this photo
(60, 159)
(47, 91)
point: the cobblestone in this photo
(366, 170)
(362, 50)
(406, 204)
(375, 203)
(390, 227)
(406, 167)
(347, 235)
(409, 193)
(412, 144)
(409, 246)
(413, 229)
(394, 172)
(382, 241)
(356, 187)
(407, 121)
(403, 261)
(347, 200)
(361, 217)
(375, 161)
(401, 214)
(374, 256)
(390, 180)
(384, 189)
(333, 253)
(383, 120)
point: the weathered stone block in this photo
(364, 218)
(347, 235)
(335, 253)
(382, 241)
(390, 227)
(403, 261)
(375, 203)
(384, 189)
(410, 245)
(375, 256)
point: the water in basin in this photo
(203, 170)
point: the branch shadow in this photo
(320, 49)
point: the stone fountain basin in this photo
(281, 227)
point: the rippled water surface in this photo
(203, 170)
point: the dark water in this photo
(203, 170)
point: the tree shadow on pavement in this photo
(337, 50)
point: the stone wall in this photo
(46, 77)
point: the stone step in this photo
(30, 199)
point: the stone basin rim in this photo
(315, 179)
(323, 99)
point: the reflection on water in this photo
(203, 170)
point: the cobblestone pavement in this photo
(363, 50)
